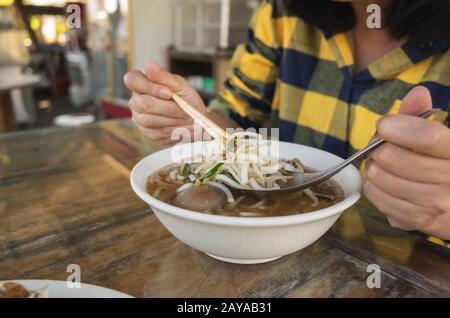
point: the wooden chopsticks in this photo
(211, 127)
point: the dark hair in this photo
(420, 20)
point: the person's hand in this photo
(153, 110)
(408, 178)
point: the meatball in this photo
(200, 198)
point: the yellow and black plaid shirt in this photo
(298, 78)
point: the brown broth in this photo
(162, 187)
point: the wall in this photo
(152, 30)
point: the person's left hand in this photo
(408, 177)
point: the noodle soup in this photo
(212, 182)
(165, 185)
(243, 238)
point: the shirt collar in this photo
(387, 66)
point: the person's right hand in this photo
(154, 112)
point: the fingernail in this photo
(165, 93)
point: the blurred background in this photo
(62, 62)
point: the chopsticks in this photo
(211, 127)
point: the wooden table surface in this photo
(65, 199)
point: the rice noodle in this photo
(258, 172)
(231, 170)
(184, 187)
(289, 167)
(258, 204)
(255, 184)
(244, 173)
(239, 200)
(250, 164)
(270, 169)
(230, 197)
(227, 180)
(312, 196)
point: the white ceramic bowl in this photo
(249, 240)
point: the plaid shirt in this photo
(298, 78)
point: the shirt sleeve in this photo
(249, 88)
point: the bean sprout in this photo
(230, 197)
(312, 196)
(247, 165)
(184, 187)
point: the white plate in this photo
(59, 289)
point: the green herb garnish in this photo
(210, 173)
(186, 170)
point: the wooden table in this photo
(11, 78)
(65, 199)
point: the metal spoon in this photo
(305, 180)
